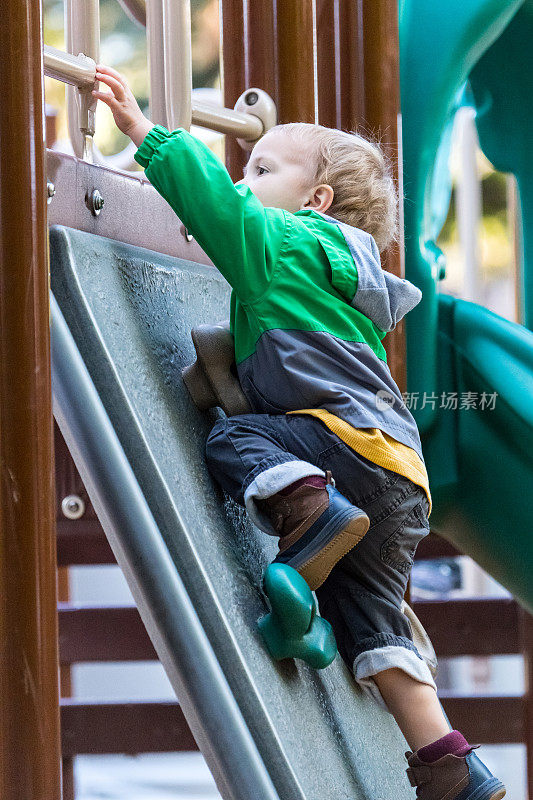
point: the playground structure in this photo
(116, 358)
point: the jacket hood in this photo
(381, 296)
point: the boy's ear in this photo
(321, 198)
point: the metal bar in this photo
(168, 29)
(209, 705)
(80, 71)
(225, 120)
(76, 70)
(30, 765)
(82, 35)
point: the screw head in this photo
(72, 506)
(96, 202)
(251, 98)
(186, 234)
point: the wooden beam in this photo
(487, 720)
(82, 541)
(474, 626)
(30, 763)
(140, 727)
(102, 634)
(434, 546)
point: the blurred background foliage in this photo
(123, 47)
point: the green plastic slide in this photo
(478, 442)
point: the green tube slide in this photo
(474, 367)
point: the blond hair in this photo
(359, 173)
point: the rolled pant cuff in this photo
(399, 653)
(268, 477)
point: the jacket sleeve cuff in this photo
(151, 142)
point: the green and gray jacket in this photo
(310, 304)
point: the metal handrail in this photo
(82, 35)
(208, 703)
(76, 70)
(80, 71)
(168, 31)
(168, 24)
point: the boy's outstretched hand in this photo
(126, 112)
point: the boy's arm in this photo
(240, 235)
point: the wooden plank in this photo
(526, 639)
(82, 542)
(434, 546)
(486, 720)
(102, 633)
(140, 727)
(473, 626)
(479, 627)
(159, 727)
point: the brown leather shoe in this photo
(453, 778)
(317, 527)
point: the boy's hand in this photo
(126, 112)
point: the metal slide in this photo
(121, 321)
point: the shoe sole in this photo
(490, 790)
(317, 568)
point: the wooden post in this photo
(369, 80)
(526, 640)
(270, 46)
(233, 75)
(29, 716)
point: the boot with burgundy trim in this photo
(316, 524)
(439, 774)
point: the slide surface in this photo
(130, 312)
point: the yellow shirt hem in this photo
(377, 446)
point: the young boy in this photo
(298, 239)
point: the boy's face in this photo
(276, 174)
